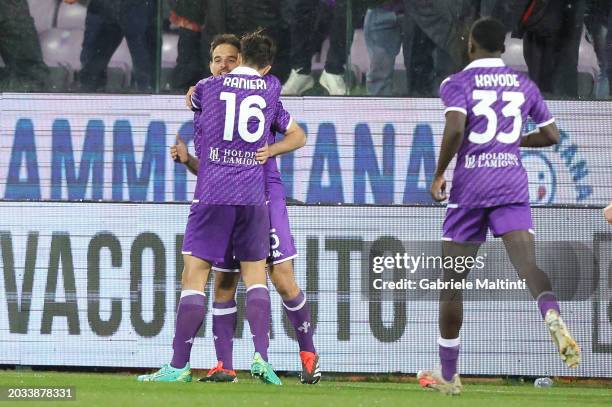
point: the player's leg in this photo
(199, 245)
(463, 232)
(282, 251)
(191, 309)
(298, 312)
(258, 312)
(102, 37)
(514, 224)
(251, 248)
(224, 321)
(190, 314)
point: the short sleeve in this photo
(453, 96)
(282, 119)
(197, 133)
(196, 96)
(539, 112)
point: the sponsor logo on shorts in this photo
(275, 244)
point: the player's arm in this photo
(541, 137)
(193, 98)
(188, 98)
(192, 164)
(294, 138)
(451, 141)
(546, 133)
(180, 153)
(608, 213)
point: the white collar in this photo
(485, 63)
(244, 70)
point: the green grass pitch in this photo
(121, 389)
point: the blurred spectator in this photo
(302, 15)
(201, 20)
(191, 63)
(445, 25)
(551, 33)
(20, 49)
(107, 23)
(597, 20)
(486, 8)
(385, 32)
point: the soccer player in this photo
(486, 106)
(229, 212)
(223, 54)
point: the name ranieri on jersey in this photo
(491, 160)
(243, 83)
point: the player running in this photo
(224, 52)
(229, 212)
(486, 106)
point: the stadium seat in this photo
(62, 47)
(169, 50)
(43, 12)
(513, 57)
(71, 16)
(587, 59)
(120, 66)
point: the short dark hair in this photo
(490, 34)
(221, 39)
(257, 49)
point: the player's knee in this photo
(194, 274)
(284, 281)
(225, 286)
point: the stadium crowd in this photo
(351, 47)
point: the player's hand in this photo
(262, 154)
(608, 213)
(179, 152)
(438, 189)
(188, 97)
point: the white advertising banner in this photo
(359, 150)
(95, 284)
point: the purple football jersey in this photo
(238, 112)
(280, 124)
(497, 102)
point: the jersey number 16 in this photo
(251, 106)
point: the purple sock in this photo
(258, 314)
(298, 313)
(547, 301)
(448, 349)
(223, 326)
(189, 316)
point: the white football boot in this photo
(566, 344)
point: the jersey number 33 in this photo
(486, 99)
